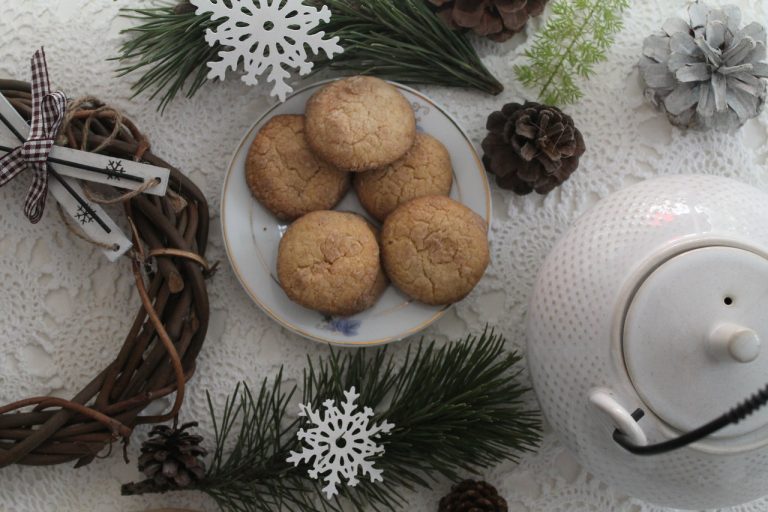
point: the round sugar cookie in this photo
(286, 177)
(425, 170)
(329, 261)
(360, 123)
(434, 249)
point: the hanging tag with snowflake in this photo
(266, 35)
(73, 165)
(341, 443)
(82, 165)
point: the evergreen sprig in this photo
(401, 40)
(168, 46)
(456, 409)
(574, 39)
(249, 471)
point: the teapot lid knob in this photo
(734, 342)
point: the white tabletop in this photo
(65, 308)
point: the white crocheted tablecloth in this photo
(65, 309)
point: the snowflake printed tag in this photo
(82, 165)
(73, 165)
(267, 35)
(341, 443)
(115, 172)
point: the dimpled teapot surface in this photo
(657, 299)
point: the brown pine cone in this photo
(472, 496)
(496, 19)
(172, 458)
(531, 147)
(184, 7)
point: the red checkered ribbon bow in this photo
(48, 110)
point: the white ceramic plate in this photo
(252, 235)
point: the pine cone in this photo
(496, 19)
(706, 72)
(172, 458)
(472, 496)
(531, 147)
(185, 7)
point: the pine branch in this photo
(403, 40)
(168, 46)
(456, 409)
(249, 471)
(574, 39)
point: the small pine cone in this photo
(472, 496)
(497, 20)
(172, 458)
(706, 71)
(185, 7)
(531, 147)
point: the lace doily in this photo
(65, 308)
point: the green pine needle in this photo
(401, 40)
(456, 409)
(168, 46)
(252, 438)
(574, 39)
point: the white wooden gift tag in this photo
(68, 164)
(117, 172)
(95, 223)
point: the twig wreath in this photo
(170, 235)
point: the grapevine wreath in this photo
(170, 235)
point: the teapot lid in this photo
(693, 337)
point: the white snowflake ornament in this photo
(266, 35)
(340, 443)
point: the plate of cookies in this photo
(356, 212)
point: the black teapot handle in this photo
(733, 416)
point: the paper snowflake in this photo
(341, 443)
(266, 34)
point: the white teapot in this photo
(655, 304)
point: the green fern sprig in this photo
(574, 39)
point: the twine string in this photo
(80, 234)
(90, 108)
(122, 198)
(76, 109)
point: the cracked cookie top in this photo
(360, 123)
(434, 249)
(286, 177)
(329, 261)
(425, 170)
